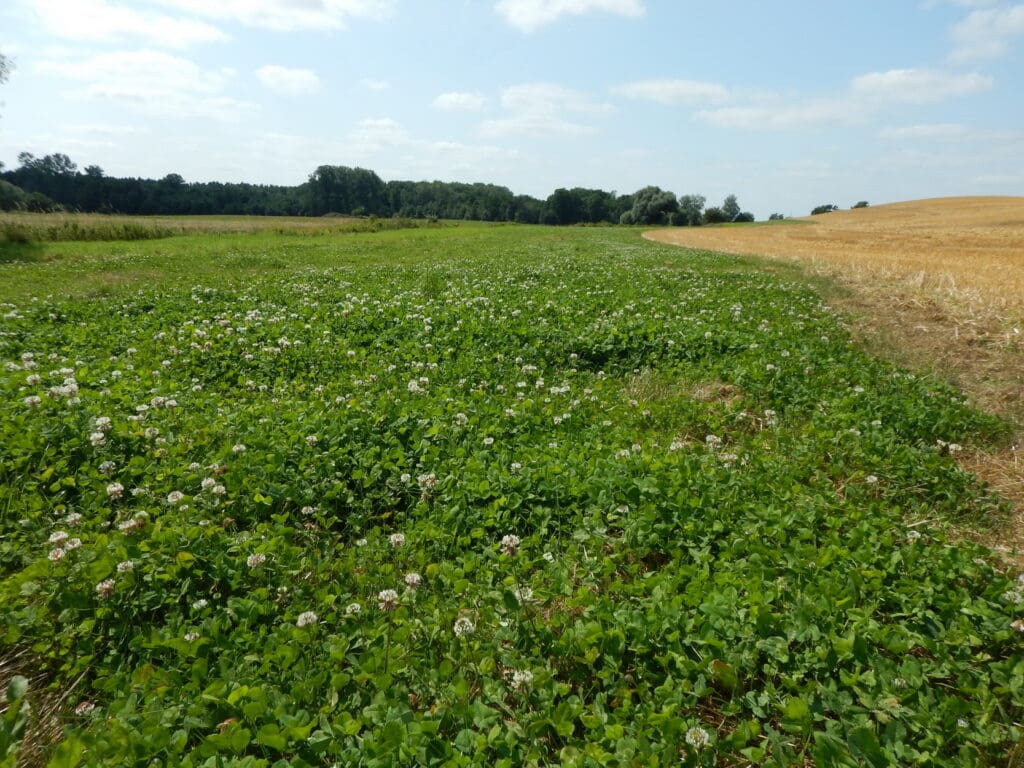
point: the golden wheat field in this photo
(968, 249)
(936, 284)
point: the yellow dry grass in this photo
(936, 285)
(185, 225)
(969, 249)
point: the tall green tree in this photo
(651, 205)
(730, 207)
(691, 209)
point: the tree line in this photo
(54, 182)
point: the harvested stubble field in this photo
(935, 284)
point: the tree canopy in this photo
(55, 180)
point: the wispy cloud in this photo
(531, 15)
(538, 109)
(917, 86)
(457, 101)
(103, 22)
(375, 85)
(288, 81)
(926, 131)
(672, 92)
(987, 33)
(865, 96)
(782, 116)
(150, 82)
(287, 15)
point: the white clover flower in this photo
(107, 468)
(57, 537)
(105, 588)
(174, 497)
(255, 560)
(387, 599)
(871, 479)
(239, 448)
(523, 595)
(84, 708)
(464, 627)
(413, 580)
(697, 737)
(191, 637)
(461, 419)
(72, 544)
(405, 477)
(125, 566)
(219, 490)
(56, 554)
(97, 439)
(361, 542)
(549, 557)
(427, 480)
(397, 540)
(200, 604)
(510, 543)
(307, 619)
(488, 440)
(32, 401)
(114, 490)
(522, 679)
(73, 519)
(353, 609)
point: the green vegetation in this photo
(484, 496)
(826, 208)
(54, 183)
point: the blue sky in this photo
(787, 104)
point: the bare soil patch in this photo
(936, 285)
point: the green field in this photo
(481, 495)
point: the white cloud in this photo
(673, 92)
(287, 80)
(865, 97)
(807, 114)
(926, 131)
(531, 15)
(456, 101)
(287, 15)
(537, 109)
(150, 82)
(986, 34)
(101, 21)
(917, 86)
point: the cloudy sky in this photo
(786, 104)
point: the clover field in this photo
(479, 495)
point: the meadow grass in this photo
(482, 496)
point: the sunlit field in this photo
(474, 495)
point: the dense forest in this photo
(54, 182)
